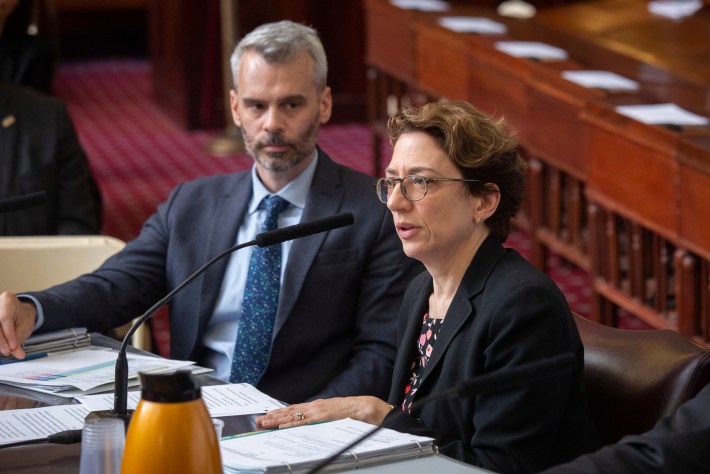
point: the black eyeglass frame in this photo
(379, 185)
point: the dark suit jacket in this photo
(40, 151)
(505, 313)
(335, 327)
(677, 444)
(26, 60)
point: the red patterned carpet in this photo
(138, 155)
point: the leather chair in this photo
(636, 377)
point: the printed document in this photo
(221, 400)
(83, 369)
(303, 447)
(38, 423)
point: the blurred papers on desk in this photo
(301, 448)
(221, 400)
(472, 24)
(532, 50)
(662, 114)
(88, 370)
(675, 9)
(422, 5)
(604, 80)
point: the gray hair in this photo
(280, 42)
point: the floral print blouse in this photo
(425, 346)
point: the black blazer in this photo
(677, 444)
(505, 313)
(334, 333)
(40, 151)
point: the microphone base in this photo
(110, 414)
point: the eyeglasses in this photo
(414, 188)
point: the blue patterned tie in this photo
(261, 299)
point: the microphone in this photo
(497, 381)
(63, 437)
(120, 398)
(292, 232)
(22, 202)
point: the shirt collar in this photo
(295, 192)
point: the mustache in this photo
(273, 139)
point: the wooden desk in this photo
(390, 60)
(628, 28)
(558, 168)
(632, 216)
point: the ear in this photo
(234, 107)
(487, 203)
(326, 105)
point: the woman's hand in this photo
(368, 409)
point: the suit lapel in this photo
(231, 208)
(461, 309)
(324, 199)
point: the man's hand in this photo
(17, 321)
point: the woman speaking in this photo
(454, 182)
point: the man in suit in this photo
(40, 151)
(678, 443)
(334, 328)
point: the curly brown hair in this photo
(482, 147)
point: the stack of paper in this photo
(675, 9)
(80, 372)
(532, 49)
(221, 400)
(662, 114)
(38, 423)
(54, 341)
(302, 448)
(605, 80)
(422, 5)
(473, 24)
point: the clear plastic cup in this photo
(218, 425)
(102, 442)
